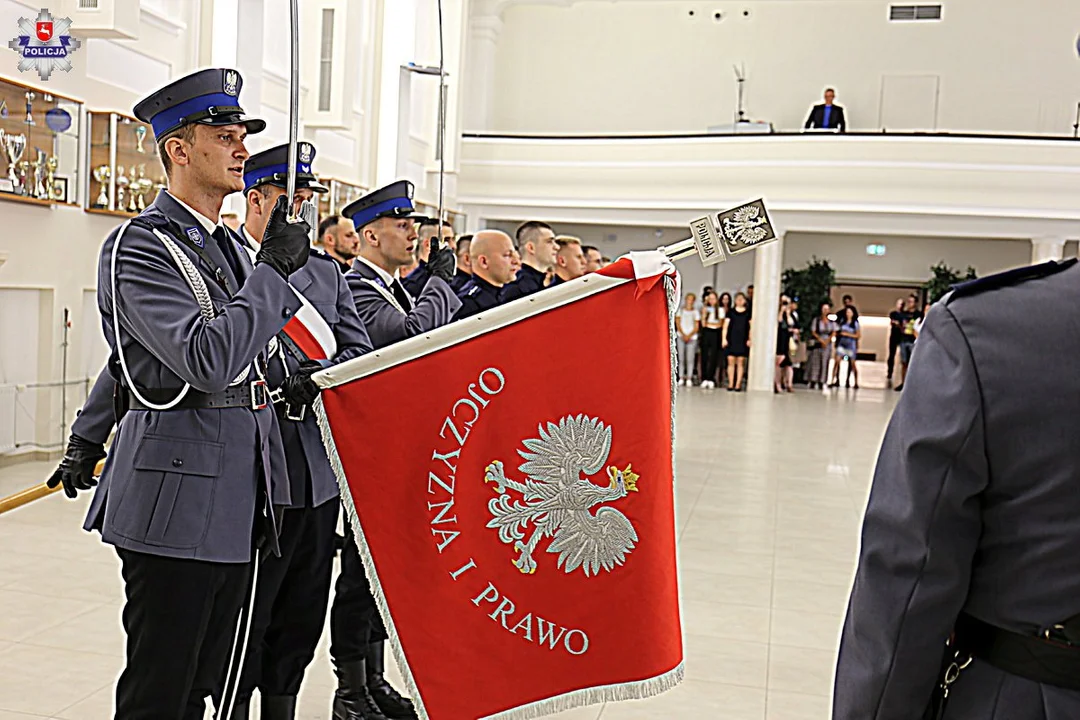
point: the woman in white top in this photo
(687, 324)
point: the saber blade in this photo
(294, 100)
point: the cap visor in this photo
(315, 186)
(253, 125)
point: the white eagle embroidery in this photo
(557, 499)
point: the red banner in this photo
(515, 493)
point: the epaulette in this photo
(320, 254)
(1007, 278)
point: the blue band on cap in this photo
(366, 215)
(170, 118)
(252, 178)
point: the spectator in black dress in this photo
(785, 327)
(712, 320)
(736, 342)
(896, 333)
(725, 308)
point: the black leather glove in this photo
(285, 245)
(76, 471)
(441, 263)
(299, 389)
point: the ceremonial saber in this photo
(294, 101)
(442, 120)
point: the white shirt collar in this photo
(255, 244)
(208, 225)
(385, 276)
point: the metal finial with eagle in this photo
(557, 500)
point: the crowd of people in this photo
(713, 341)
(483, 270)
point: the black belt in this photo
(254, 395)
(1034, 657)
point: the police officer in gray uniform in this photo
(972, 531)
(184, 496)
(293, 589)
(384, 219)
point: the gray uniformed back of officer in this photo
(973, 522)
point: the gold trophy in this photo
(140, 138)
(50, 177)
(121, 187)
(102, 173)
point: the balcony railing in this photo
(36, 416)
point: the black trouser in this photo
(291, 595)
(894, 345)
(180, 620)
(355, 622)
(709, 342)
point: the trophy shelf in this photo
(125, 171)
(341, 194)
(39, 145)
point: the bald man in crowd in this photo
(569, 260)
(492, 255)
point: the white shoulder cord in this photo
(386, 294)
(199, 290)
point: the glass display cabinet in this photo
(125, 172)
(456, 218)
(341, 194)
(39, 145)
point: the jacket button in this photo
(177, 462)
(286, 313)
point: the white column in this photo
(1045, 249)
(768, 269)
(479, 76)
(397, 48)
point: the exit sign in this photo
(875, 250)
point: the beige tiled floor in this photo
(769, 498)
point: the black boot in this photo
(278, 707)
(352, 701)
(389, 700)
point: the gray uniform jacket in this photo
(182, 483)
(387, 324)
(322, 283)
(975, 505)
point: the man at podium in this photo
(827, 116)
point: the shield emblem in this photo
(44, 31)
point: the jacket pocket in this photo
(170, 494)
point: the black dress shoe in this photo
(392, 703)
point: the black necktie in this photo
(400, 295)
(227, 247)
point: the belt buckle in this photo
(260, 395)
(291, 414)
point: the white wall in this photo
(907, 259)
(601, 66)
